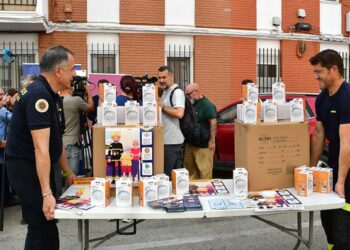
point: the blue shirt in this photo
(333, 111)
(5, 117)
(122, 99)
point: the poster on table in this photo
(112, 78)
(129, 152)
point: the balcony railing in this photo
(17, 5)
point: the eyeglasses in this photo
(190, 93)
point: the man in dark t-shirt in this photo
(199, 151)
(34, 145)
(333, 124)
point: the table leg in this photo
(311, 229)
(86, 235)
(299, 230)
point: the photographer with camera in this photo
(74, 104)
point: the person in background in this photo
(333, 124)
(173, 137)
(2, 93)
(27, 80)
(97, 99)
(73, 107)
(128, 89)
(5, 117)
(199, 152)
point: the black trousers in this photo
(172, 158)
(42, 234)
(336, 224)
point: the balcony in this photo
(23, 15)
(17, 5)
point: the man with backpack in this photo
(200, 147)
(173, 105)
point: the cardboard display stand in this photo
(271, 151)
(99, 161)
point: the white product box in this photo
(283, 111)
(109, 114)
(297, 110)
(148, 93)
(123, 188)
(279, 92)
(149, 113)
(239, 112)
(163, 186)
(249, 112)
(270, 111)
(252, 93)
(148, 190)
(100, 192)
(240, 182)
(132, 111)
(180, 181)
(109, 93)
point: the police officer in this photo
(35, 144)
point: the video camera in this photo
(141, 81)
(78, 83)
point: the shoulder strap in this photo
(171, 96)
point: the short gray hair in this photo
(53, 57)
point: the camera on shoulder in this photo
(78, 83)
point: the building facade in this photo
(215, 43)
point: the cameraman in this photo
(73, 107)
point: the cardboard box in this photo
(99, 161)
(270, 152)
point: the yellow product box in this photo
(100, 192)
(180, 181)
(304, 183)
(148, 190)
(123, 192)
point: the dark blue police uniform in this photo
(333, 111)
(36, 108)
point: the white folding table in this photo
(312, 203)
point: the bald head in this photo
(193, 91)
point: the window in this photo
(10, 74)
(179, 60)
(103, 63)
(228, 115)
(268, 68)
(103, 58)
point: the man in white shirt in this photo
(172, 111)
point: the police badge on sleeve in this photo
(41, 105)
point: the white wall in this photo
(271, 44)
(337, 47)
(176, 41)
(42, 8)
(330, 18)
(18, 39)
(106, 39)
(180, 12)
(103, 11)
(265, 10)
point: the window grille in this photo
(268, 68)
(103, 58)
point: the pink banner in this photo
(112, 78)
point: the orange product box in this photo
(304, 182)
(324, 180)
(298, 169)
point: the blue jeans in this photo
(73, 153)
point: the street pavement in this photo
(241, 233)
